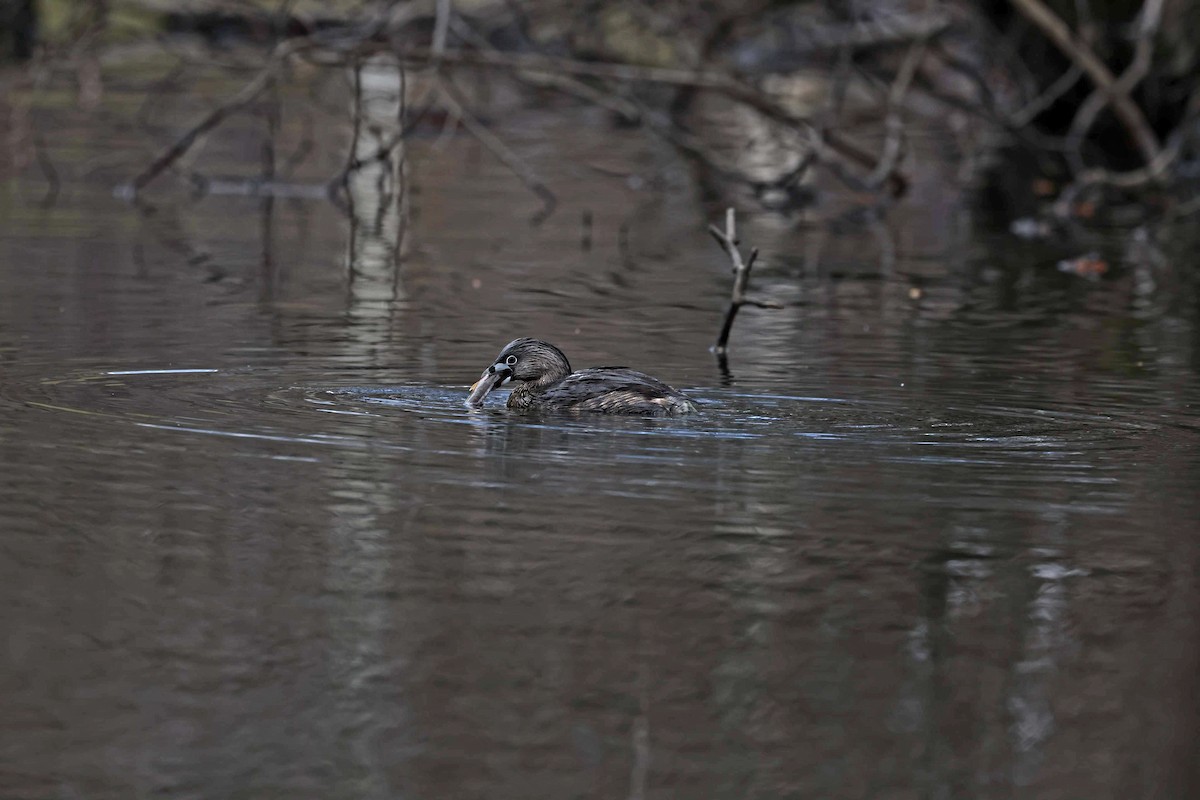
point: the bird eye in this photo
(510, 360)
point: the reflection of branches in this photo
(271, 116)
(1138, 68)
(567, 84)
(304, 147)
(353, 49)
(1153, 172)
(603, 84)
(451, 43)
(1159, 158)
(352, 164)
(384, 151)
(1026, 114)
(1186, 208)
(1115, 93)
(894, 143)
(165, 84)
(244, 97)
(830, 148)
(40, 154)
(26, 138)
(453, 101)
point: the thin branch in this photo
(402, 203)
(623, 246)
(169, 82)
(728, 241)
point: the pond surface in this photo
(933, 533)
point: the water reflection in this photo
(377, 185)
(933, 544)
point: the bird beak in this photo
(492, 377)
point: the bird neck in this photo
(554, 373)
(554, 367)
(523, 394)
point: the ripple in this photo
(258, 404)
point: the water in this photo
(933, 533)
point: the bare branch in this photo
(728, 241)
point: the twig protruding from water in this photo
(728, 241)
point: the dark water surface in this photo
(933, 535)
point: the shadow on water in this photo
(930, 536)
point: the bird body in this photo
(545, 381)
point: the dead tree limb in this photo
(728, 241)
